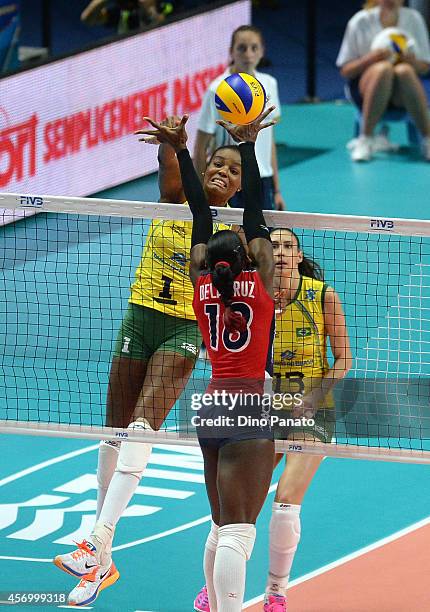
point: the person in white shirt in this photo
(375, 83)
(246, 51)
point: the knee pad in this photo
(212, 539)
(285, 527)
(134, 456)
(238, 536)
(107, 462)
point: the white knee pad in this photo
(238, 536)
(134, 456)
(285, 527)
(107, 462)
(212, 539)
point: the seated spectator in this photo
(125, 15)
(375, 83)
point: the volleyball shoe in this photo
(79, 562)
(201, 602)
(90, 554)
(275, 603)
(92, 584)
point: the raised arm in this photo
(169, 176)
(176, 137)
(257, 235)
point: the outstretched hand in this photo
(249, 132)
(170, 131)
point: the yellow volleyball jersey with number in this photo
(300, 345)
(162, 277)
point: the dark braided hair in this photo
(226, 258)
(307, 267)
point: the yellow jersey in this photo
(300, 344)
(162, 277)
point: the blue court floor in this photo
(48, 485)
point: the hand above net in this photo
(171, 121)
(249, 132)
(170, 131)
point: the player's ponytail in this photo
(226, 258)
(222, 279)
(309, 267)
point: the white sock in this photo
(235, 543)
(101, 537)
(208, 565)
(284, 537)
(122, 487)
(108, 458)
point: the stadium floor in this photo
(365, 537)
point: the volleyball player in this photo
(154, 355)
(235, 311)
(308, 313)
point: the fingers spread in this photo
(266, 112)
(268, 124)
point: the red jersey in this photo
(236, 354)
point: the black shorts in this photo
(233, 411)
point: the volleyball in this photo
(397, 41)
(240, 98)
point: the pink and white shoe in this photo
(201, 602)
(275, 603)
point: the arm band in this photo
(254, 224)
(202, 216)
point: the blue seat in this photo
(393, 115)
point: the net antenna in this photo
(65, 285)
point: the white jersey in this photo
(209, 115)
(366, 24)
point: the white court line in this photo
(44, 464)
(157, 536)
(350, 557)
(163, 534)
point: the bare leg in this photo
(165, 379)
(376, 87)
(296, 477)
(243, 482)
(126, 379)
(409, 94)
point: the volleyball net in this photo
(64, 288)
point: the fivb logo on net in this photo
(28, 201)
(46, 507)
